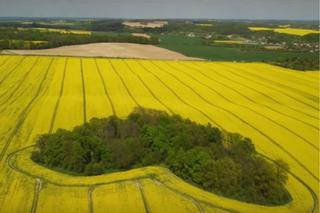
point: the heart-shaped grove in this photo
(215, 160)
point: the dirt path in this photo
(114, 50)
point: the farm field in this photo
(286, 30)
(194, 47)
(62, 31)
(276, 107)
(229, 41)
(114, 50)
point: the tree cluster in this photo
(217, 161)
(299, 63)
(56, 39)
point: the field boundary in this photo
(105, 57)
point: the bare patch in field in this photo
(114, 50)
(143, 35)
(145, 24)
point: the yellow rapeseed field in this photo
(54, 30)
(12, 41)
(287, 30)
(276, 107)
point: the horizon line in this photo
(155, 18)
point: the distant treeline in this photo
(218, 27)
(94, 25)
(215, 160)
(56, 39)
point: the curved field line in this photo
(262, 93)
(313, 194)
(272, 82)
(38, 180)
(143, 197)
(36, 195)
(37, 190)
(53, 118)
(198, 205)
(289, 88)
(282, 73)
(22, 116)
(290, 74)
(17, 169)
(250, 125)
(90, 200)
(83, 94)
(105, 88)
(4, 61)
(15, 98)
(150, 91)
(11, 71)
(183, 101)
(248, 98)
(250, 109)
(195, 202)
(11, 164)
(124, 84)
(304, 82)
(152, 176)
(269, 86)
(18, 84)
(183, 194)
(276, 101)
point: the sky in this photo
(207, 9)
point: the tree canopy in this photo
(217, 161)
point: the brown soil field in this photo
(143, 35)
(145, 24)
(113, 50)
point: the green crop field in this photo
(194, 47)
